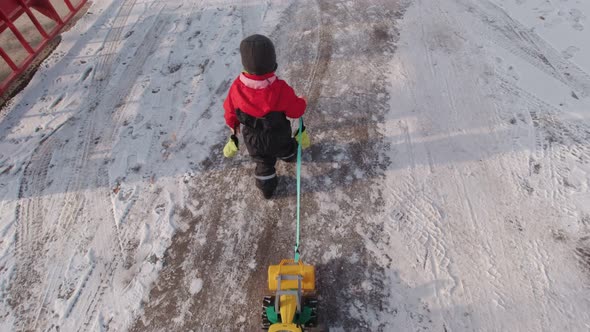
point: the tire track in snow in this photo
(423, 225)
(561, 153)
(112, 42)
(89, 135)
(557, 143)
(201, 250)
(535, 276)
(513, 36)
(501, 268)
(554, 143)
(118, 94)
(29, 235)
(102, 210)
(447, 103)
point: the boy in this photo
(261, 102)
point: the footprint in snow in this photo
(575, 17)
(86, 73)
(569, 52)
(578, 26)
(559, 235)
(513, 73)
(126, 194)
(57, 101)
(160, 209)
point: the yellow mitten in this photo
(232, 147)
(303, 138)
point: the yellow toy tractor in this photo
(293, 308)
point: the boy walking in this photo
(261, 102)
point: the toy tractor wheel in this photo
(268, 301)
(311, 302)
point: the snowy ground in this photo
(447, 188)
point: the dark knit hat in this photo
(258, 55)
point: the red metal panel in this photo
(10, 7)
(70, 6)
(14, 8)
(36, 23)
(11, 10)
(44, 7)
(6, 58)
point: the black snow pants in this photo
(268, 139)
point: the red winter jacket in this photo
(259, 95)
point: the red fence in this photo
(11, 10)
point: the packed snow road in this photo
(447, 187)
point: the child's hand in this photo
(236, 130)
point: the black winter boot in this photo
(267, 187)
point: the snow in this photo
(140, 195)
(196, 286)
(487, 141)
(447, 187)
